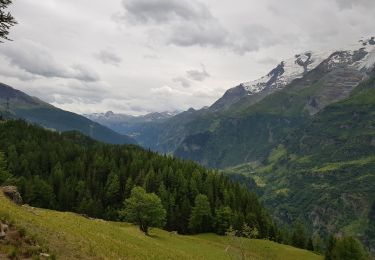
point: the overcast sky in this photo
(139, 56)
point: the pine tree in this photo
(299, 235)
(6, 19)
(200, 218)
(223, 220)
(4, 174)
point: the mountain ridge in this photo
(20, 105)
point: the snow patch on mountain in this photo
(287, 71)
(360, 55)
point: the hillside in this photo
(249, 130)
(71, 172)
(36, 111)
(253, 117)
(71, 236)
(324, 171)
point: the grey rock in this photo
(12, 193)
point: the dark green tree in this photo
(4, 174)
(200, 218)
(6, 19)
(223, 220)
(310, 245)
(144, 209)
(370, 231)
(330, 246)
(349, 248)
(299, 235)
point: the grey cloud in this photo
(184, 23)
(198, 75)
(253, 38)
(268, 60)
(190, 23)
(349, 4)
(183, 81)
(205, 34)
(36, 60)
(109, 57)
(163, 11)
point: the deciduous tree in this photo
(144, 209)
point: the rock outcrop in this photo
(12, 193)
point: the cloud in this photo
(37, 60)
(198, 75)
(350, 4)
(207, 33)
(183, 23)
(254, 37)
(109, 57)
(183, 81)
(268, 60)
(163, 11)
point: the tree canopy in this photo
(144, 209)
(346, 248)
(71, 172)
(6, 19)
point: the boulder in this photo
(12, 193)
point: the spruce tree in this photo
(6, 19)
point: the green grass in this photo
(338, 165)
(70, 236)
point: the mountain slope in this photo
(41, 113)
(324, 171)
(325, 77)
(71, 236)
(249, 130)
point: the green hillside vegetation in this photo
(70, 236)
(70, 172)
(248, 131)
(324, 172)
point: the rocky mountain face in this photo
(17, 104)
(278, 103)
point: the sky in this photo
(141, 56)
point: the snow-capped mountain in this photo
(360, 57)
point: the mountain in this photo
(21, 105)
(254, 111)
(323, 172)
(279, 77)
(71, 236)
(249, 128)
(127, 124)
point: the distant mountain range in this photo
(128, 124)
(20, 105)
(252, 117)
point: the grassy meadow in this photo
(71, 236)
